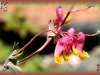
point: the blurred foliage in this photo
(5, 50)
(31, 65)
(34, 64)
(16, 22)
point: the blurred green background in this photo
(22, 21)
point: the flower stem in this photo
(93, 34)
(85, 34)
(36, 52)
(89, 6)
(32, 40)
(70, 10)
(66, 16)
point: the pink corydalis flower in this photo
(60, 14)
(78, 46)
(58, 53)
(60, 17)
(71, 32)
(68, 41)
(64, 45)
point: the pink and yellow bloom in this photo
(78, 46)
(63, 47)
(68, 41)
(60, 17)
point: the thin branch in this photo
(89, 6)
(94, 34)
(66, 16)
(70, 10)
(36, 52)
(32, 40)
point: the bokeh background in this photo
(22, 21)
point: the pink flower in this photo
(60, 17)
(80, 41)
(78, 46)
(66, 42)
(64, 45)
(60, 14)
(58, 53)
(71, 32)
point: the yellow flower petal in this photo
(66, 57)
(83, 55)
(59, 59)
(76, 52)
(68, 20)
(86, 54)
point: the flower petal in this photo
(59, 59)
(68, 20)
(60, 16)
(59, 48)
(78, 46)
(58, 53)
(71, 32)
(79, 41)
(83, 55)
(59, 10)
(67, 55)
(76, 52)
(64, 40)
(66, 58)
